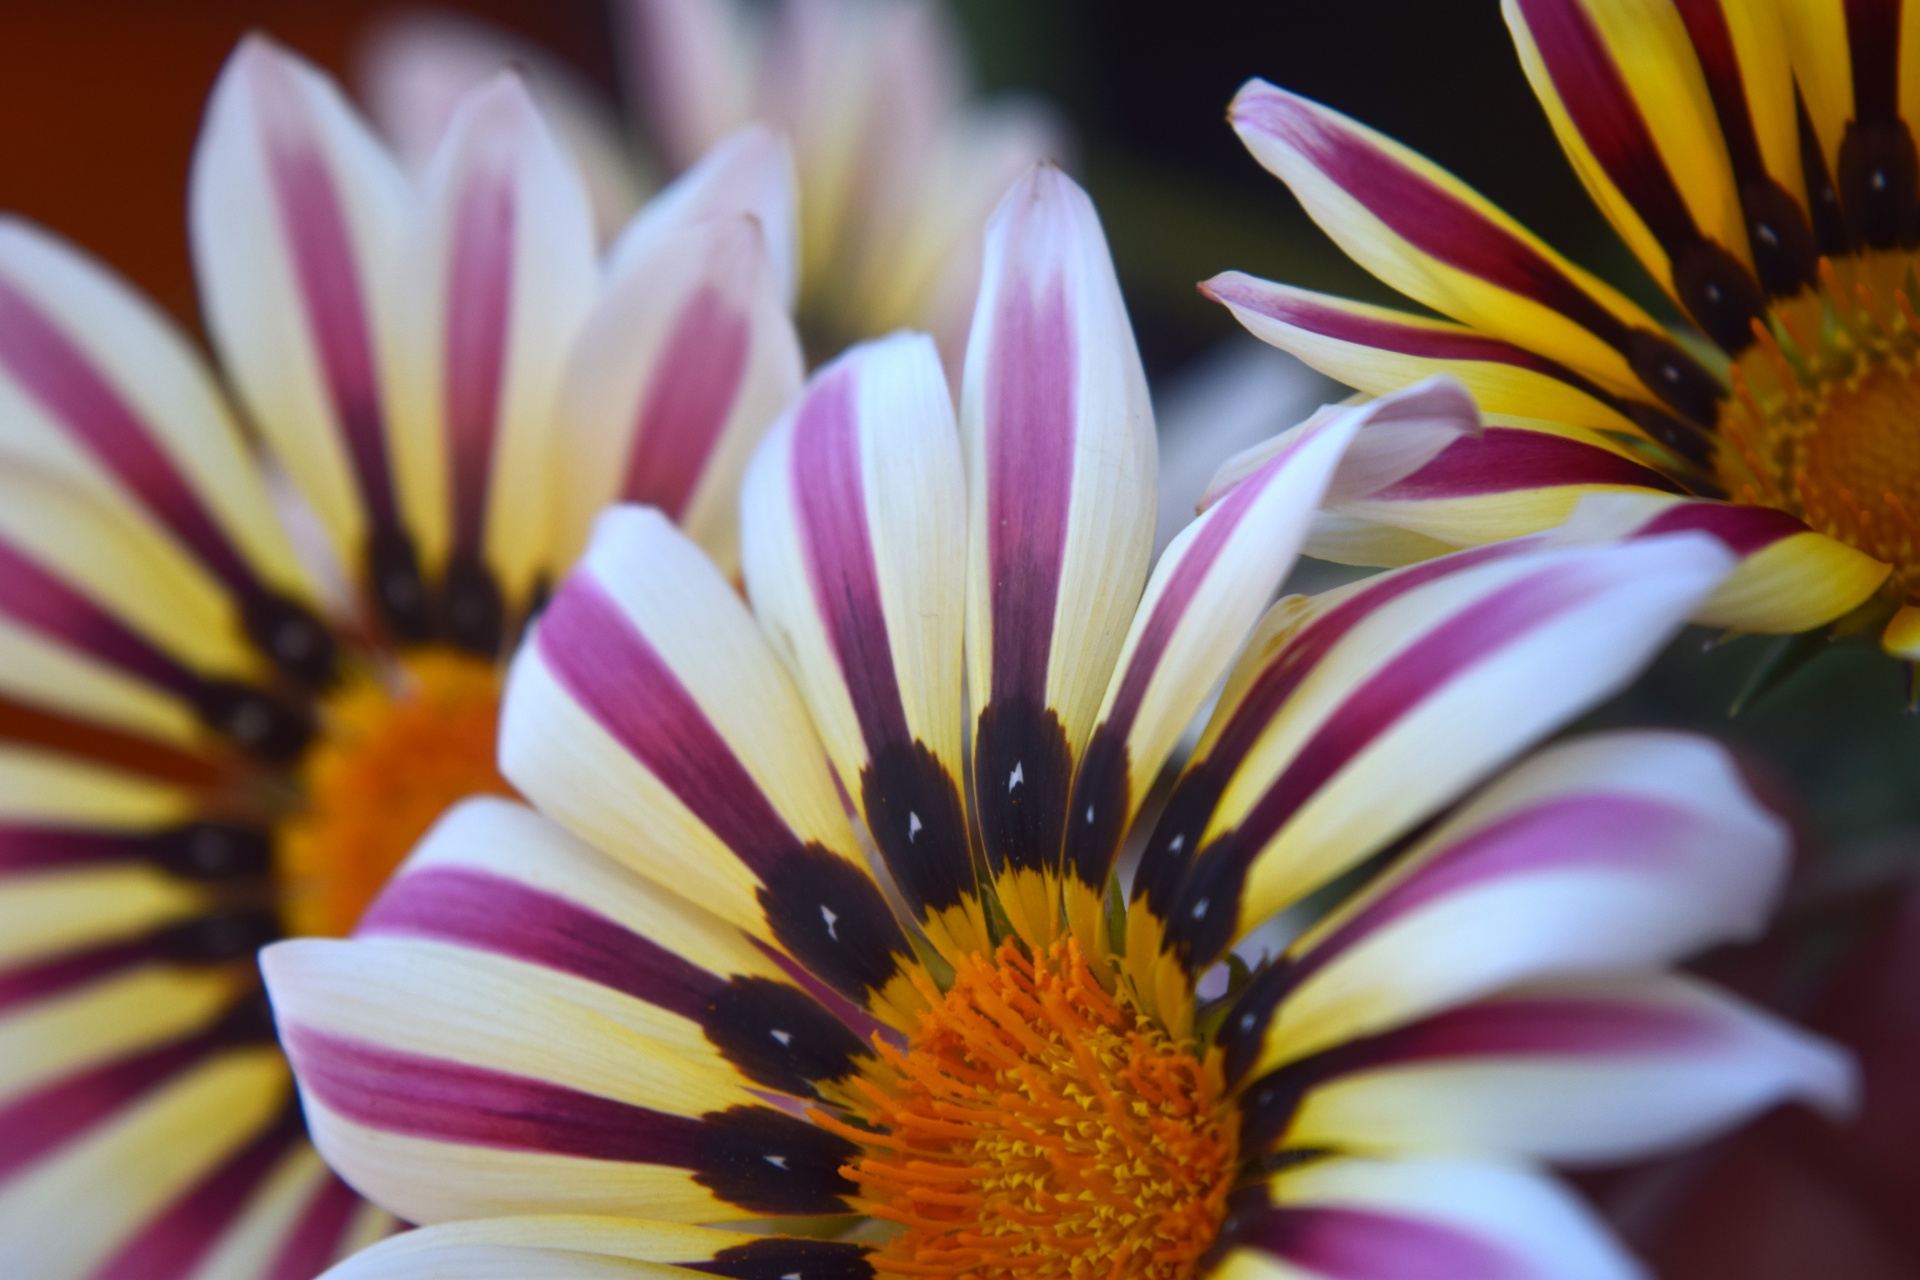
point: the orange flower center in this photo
(1825, 419)
(1039, 1126)
(391, 756)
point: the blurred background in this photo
(100, 101)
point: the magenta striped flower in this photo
(241, 672)
(1758, 159)
(819, 915)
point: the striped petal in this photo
(1345, 1218)
(110, 1163)
(1379, 349)
(585, 1246)
(297, 217)
(1789, 578)
(1429, 236)
(1386, 699)
(499, 889)
(1619, 851)
(100, 390)
(419, 64)
(855, 531)
(445, 1083)
(687, 358)
(102, 623)
(649, 717)
(496, 276)
(1593, 1070)
(750, 171)
(1059, 435)
(1209, 590)
(1624, 91)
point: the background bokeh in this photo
(100, 101)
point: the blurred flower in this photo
(678, 994)
(1758, 160)
(237, 688)
(897, 168)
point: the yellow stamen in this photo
(1821, 423)
(391, 756)
(1038, 1125)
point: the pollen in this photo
(396, 748)
(1821, 423)
(1037, 1125)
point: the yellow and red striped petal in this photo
(855, 538)
(1211, 587)
(685, 361)
(648, 716)
(1428, 235)
(449, 1082)
(100, 391)
(1372, 707)
(1059, 435)
(1614, 852)
(298, 215)
(1789, 579)
(1584, 1070)
(495, 275)
(1352, 1218)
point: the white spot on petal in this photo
(1089, 815)
(778, 1162)
(1017, 777)
(784, 1037)
(1176, 844)
(827, 913)
(913, 825)
(1246, 1022)
(1200, 908)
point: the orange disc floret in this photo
(1037, 1125)
(393, 752)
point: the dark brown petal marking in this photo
(784, 1258)
(760, 1159)
(1829, 225)
(1022, 770)
(472, 613)
(1022, 759)
(1712, 284)
(1778, 234)
(911, 802)
(1547, 1026)
(776, 1035)
(834, 920)
(1201, 924)
(1096, 817)
(399, 588)
(1175, 840)
(1877, 165)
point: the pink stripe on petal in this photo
(36, 599)
(29, 849)
(1361, 1244)
(1744, 530)
(695, 384)
(1595, 830)
(326, 270)
(502, 916)
(51, 977)
(615, 675)
(1509, 459)
(1431, 219)
(478, 320)
(319, 1234)
(1030, 430)
(173, 1245)
(829, 496)
(69, 388)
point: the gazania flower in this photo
(680, 994)
(1758, 159)
(219, 726)
(897, 168)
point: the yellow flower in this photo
(1758, 159)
